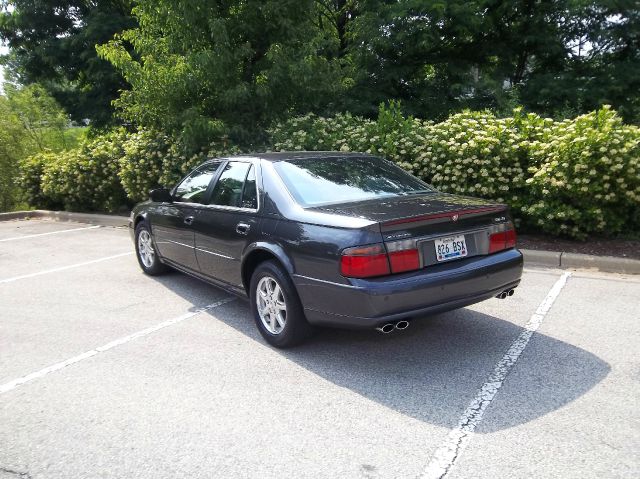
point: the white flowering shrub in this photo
(586, 178)
(311, 132)
(391, 136)
(474, 153)
(141, 164)
(152, 159)
(570, 178)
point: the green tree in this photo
(203, 68)
(43, 121)
(552, 55)
(439, 57)
(601, 64)
(52, 42)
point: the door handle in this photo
(243, 228)
(188, 220)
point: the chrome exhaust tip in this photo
(510, 292)
(401, 325)
(386, 328)
(502, 295)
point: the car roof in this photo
(294, 155)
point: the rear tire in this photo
(145, 251)
(276, 307)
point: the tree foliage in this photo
(201, 66)
(52, 42)
(204, 67)
(207, 69)
(555, 57)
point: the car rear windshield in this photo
(319, 181)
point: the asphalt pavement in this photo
(108, 373)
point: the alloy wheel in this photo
(272, 307)
(145, 249)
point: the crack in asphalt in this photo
(14, 472)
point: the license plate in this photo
(450, 248)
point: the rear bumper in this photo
(370, 303)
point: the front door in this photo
(173, 238)
(229, 223)
(172, 223)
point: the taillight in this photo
(407, 260)
(503, 239)
(496, 242)
(364, 262)
(510, 238)
(403, 256)
(373, 260)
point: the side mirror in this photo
(161, 195)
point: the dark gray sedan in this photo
(328, 239)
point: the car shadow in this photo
(431, 371)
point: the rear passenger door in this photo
(225, 226)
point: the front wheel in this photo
(146, 253)
(276, 307)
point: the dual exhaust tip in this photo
(402, 325)
(505, 293)
(390, 327)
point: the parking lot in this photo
(105, 372)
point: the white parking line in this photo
(64, 268)
(15, 238)
(448, 453)
(117, 342)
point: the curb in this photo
(549, 259)
(554, 259)
(96, 219)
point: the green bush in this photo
(152, 159)
(391, 136)
(30, 180)
(30, 122)
(470, 153)
(573, 178)
(110, 171)
(312, 132)
(86, 178)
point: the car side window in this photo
(250, 192)
(229, 188)
(193, 187)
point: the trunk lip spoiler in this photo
(447, 214)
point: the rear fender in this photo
(259, 250)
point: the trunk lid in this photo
(402, 217)
(436, 227)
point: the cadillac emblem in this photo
(454, 218)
